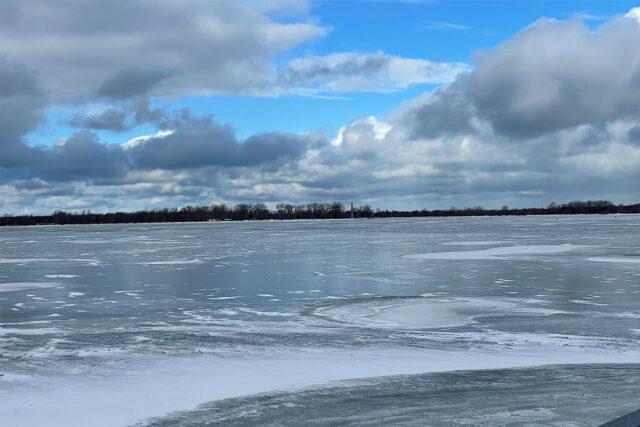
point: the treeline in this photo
(214, 212)
(570, 208)
(288, 211)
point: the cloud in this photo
(81, 156)
(634, 134)
(185, 142)
(196, 142)
(188, 142)
(634, 13)
(84, 50)
(130, 82)
(445, 112)
(351, 72)
(551, 76)
(441, 25)
(199, 141)
(21, 110)
(276, 147)
(113, 119)
(121, 117)
(21, 100)
(550, 114)
(161, 48)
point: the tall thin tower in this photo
(351, 210)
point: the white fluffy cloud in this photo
(634, 14)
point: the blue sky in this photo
(436, 30)
(399, 104)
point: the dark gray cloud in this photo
(275, 147)
(198, 141)
(21, 110)
(447, 112)
(190, 142)
(113, 119)
(350, 71)
(556, 75)
(131, 82)
(143, 113)
(195, 142)
(21, 100)
(82, 157)
(10, 12)
(551, 76)
(121, 117)
(322, 68)
(161, 47)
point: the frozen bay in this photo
(118, 324)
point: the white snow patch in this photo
(178, 383)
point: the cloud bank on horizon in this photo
(551, 113)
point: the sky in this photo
(114, 105)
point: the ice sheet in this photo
(30, 260)
(615, 259)
(60, 276)
(147, 338)
(122, 398)
(425, 313)
(478, 243)
(498, 252)
(23, 286)
(173, 262)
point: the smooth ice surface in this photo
(615, 259)
(498, 252)
(111, 325)
(22, 286)
(477, 243)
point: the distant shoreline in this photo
(335, 210)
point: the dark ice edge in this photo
(630, 420)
